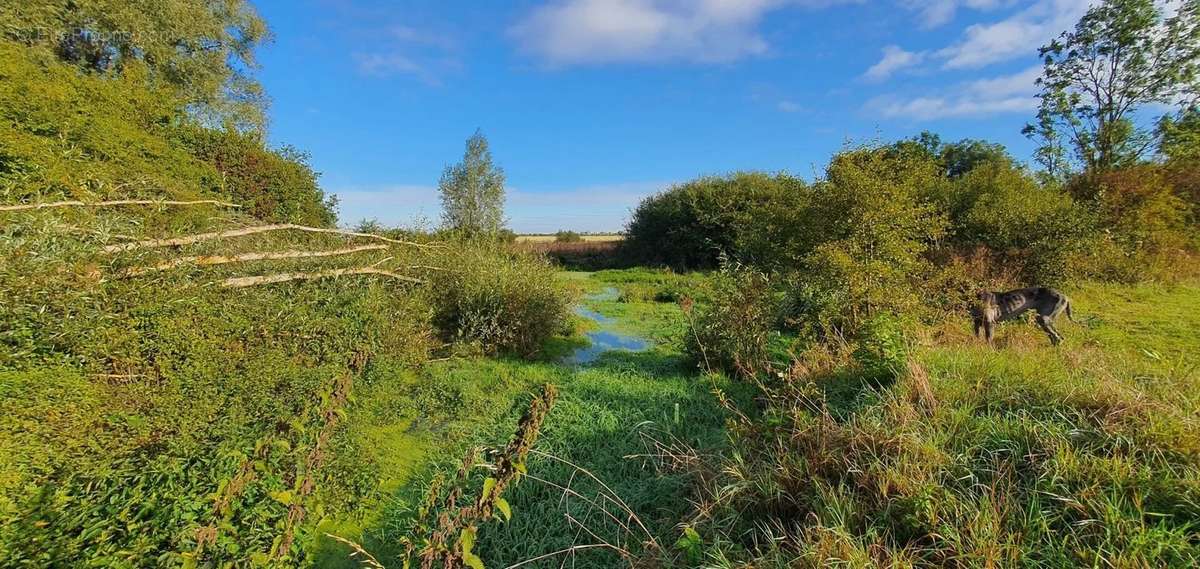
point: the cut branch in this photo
(199, 237)
(76, 203)
(207, 260)
(238, 282)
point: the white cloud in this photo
(1020, 34)
(403, 50)
(568, 32)
(789, 107)
(1004, 94)
(894, 59)
(937, 12)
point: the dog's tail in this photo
(1070, 316)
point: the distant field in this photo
(550, 238)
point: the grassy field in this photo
(609, 412)
(1094, 443)
(586, 238)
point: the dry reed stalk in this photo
(208, 260)
(199, 237)
(239, 282)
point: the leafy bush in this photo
(690, 226)
(876, 227)
(1036, 228)
(565, 236)
(498, 299)
(274, 185)
(732, 331)
(882, 352)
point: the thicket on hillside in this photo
(122, 132)
(178, 398)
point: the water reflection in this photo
(603, 341)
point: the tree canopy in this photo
(1122, 57)
(473, 191)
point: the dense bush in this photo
(732, 331)
(500, 300)
(690, 226)
(565, 236)
(73, 135)
(274, 185)
(876, 228)
(1036, 229)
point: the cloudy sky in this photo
(592, 104)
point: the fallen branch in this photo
(238, 282)
(208, 260)
(76, 203)
(189, 239)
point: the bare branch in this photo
(199, 237)
(239, 282)
(207, 260)
(76, 203)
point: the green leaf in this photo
(502, 505)
(488, 485)
(466, 540)
(472, 561)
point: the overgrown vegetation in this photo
(206, 373)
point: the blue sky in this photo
(592, 104)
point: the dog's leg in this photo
(1045, 323)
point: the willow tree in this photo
(1123, 58)
(203, 50)
(473, 191)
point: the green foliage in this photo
(732, 332)
(876, 227)
(881, 351)
(473, 192)
(500, 300)
(1037, 230)
(91, 137)
(690, 226)
(275, 185)
(1122, 56)
(197, 51)
(567, 237)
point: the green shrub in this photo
(565, 236)
(1037, 228)
(497, 299)
(274, 185)
(881, 351)
(691, 226)
(876, 228)
(732, 332)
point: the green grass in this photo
(604, 410)
(1019, 455)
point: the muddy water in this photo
(603, 340)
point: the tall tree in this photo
(1122, 56)
(202, 49)
(473, 191)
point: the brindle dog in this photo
(996, 306)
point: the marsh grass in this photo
(1023, 454)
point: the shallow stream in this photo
(605, 339)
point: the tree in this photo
(473, 191)
(1122, 56)
(201, 49)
